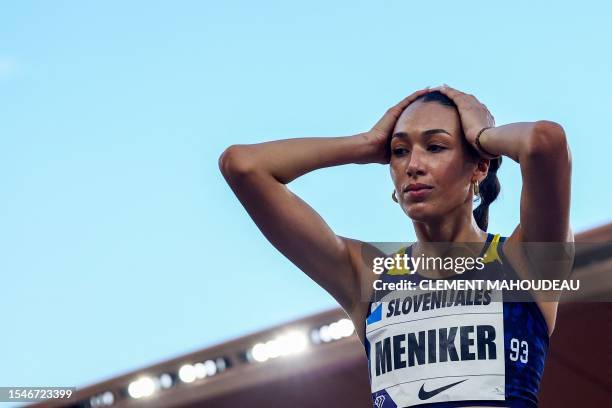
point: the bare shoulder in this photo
(361, 254)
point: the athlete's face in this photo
(431, 149)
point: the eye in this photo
(398, 151)
(435, 148)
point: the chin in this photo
(420, 211)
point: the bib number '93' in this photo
(519, 350)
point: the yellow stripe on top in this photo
(399, 271)
(491, 255)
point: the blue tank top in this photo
(455, 348)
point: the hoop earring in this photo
(394, 197)
(476, 188)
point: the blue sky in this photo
(120, 243)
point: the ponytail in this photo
(489, 190)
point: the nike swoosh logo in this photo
(428, 394)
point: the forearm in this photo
(512, 140)
(288, 159)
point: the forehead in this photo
(428, 115)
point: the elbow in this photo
(548, 139)
(234, 162)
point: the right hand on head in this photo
(379, 136)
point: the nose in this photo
(415, 164)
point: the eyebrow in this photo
(428, 132)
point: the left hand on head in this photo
(474, 115)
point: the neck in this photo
(458, 226)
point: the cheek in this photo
(394, 169)
(452, 174)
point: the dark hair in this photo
(490, 187)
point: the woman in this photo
(443, 149)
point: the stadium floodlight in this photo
(324, 334)
(165, 380)
(259, 352)
(108, 398)
(294, 342)
(105, 399)
(345, 327)
(273, 348)
(142, 387)
(187, 373)
(221, 364)
(315, 337)
(290, 343)
(335, 331)
(210, 368)
(200, 370)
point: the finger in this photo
(473, 100)
(465, 101)
(449, 91)
(462, 99)
(396, 110)
(390, 117)
(410, 98)
(492, 119)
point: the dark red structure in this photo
(578, 371)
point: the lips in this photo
(417, 191)
(417, 187)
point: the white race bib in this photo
(423, 351)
